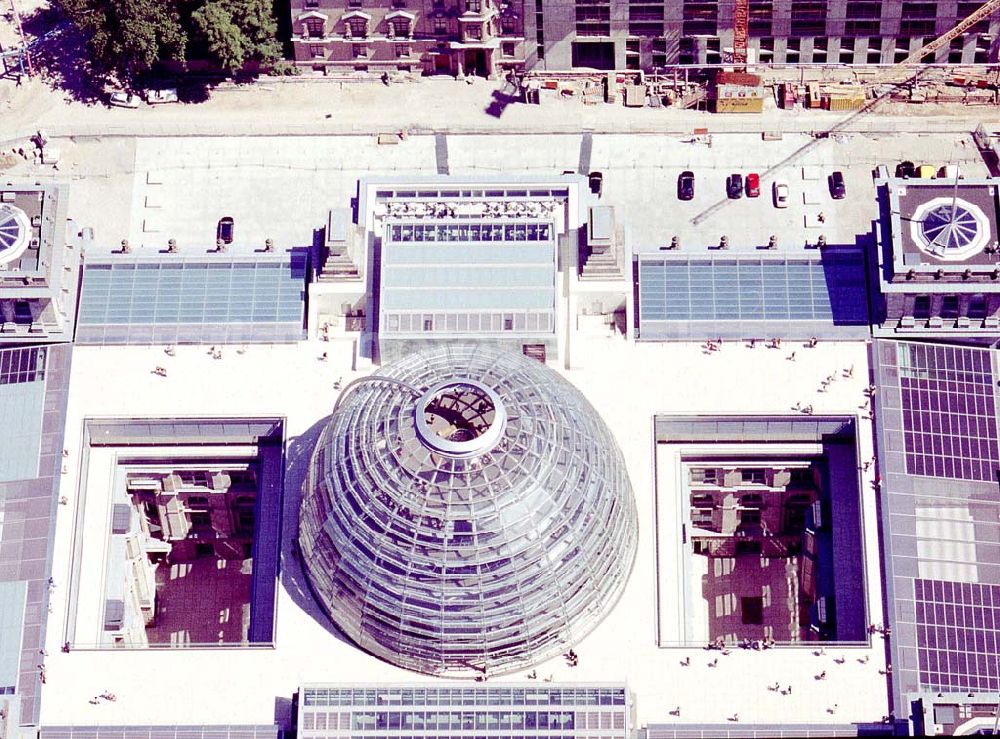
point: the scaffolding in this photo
(21, 54)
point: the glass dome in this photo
(467, 512)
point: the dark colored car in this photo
(905, 170)
(685, 185)
(734, 186)
(837, 187)
(596, 180)
(753, 185)
(224, 231)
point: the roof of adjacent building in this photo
(939, 458)
(39, 264)
(939, 234)
(27, 509)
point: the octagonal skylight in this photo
(15, 233)
(950, 228)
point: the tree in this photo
(126, 37)
(238, 31)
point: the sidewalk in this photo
(429, 106)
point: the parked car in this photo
(905, 170)
(926, 171)
(753, 185)
(950, 172)
(166, 95)
(224, 231)
(122, 99)
(780, 192)
(685, 185)
(734, 186)
(837, 187)
(596, 180)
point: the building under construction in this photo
(481, 36)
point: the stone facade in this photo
(468, 37)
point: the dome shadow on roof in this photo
(467, 512)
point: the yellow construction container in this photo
(739, 105)
(846, 102)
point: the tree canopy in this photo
(128, 37)
(238, 31)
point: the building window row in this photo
(950, 307)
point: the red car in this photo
(753, 185)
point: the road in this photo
(317, 107)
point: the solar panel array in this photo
(753, 289)
(949, 412)
(958, 632)
(135, 302)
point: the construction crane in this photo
(883, 77)
(985, 10)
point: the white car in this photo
(780, 190)
(166, 95)
(122, 99)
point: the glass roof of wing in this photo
(832, 289)
(192, 293)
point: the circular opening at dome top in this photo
(460, 418)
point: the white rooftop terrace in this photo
(627, 384)
(282, 187)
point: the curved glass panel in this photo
(483, 558)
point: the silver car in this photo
(166, 95)
(780, 190)
(122, 99)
